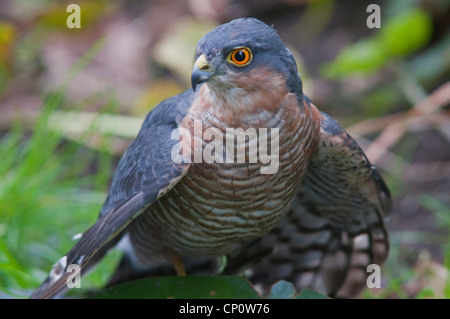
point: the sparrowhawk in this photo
(198, 182)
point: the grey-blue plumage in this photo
(317, 220)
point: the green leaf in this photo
(189, 287)
(406, 32)
(401, 35)
(201, 287)
(310, 294)
(286, 290)
(282, 290)
(363, 57)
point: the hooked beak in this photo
(201, 72)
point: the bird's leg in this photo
(179, 266)
(177, 262)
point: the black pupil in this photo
(240, 56)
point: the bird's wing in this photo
(145, 172)
(335, 227)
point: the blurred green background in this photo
(72, 99)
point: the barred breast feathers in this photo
(218, 205)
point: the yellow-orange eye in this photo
(240, 56)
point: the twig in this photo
(397, 125)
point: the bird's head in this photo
(244, 56)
